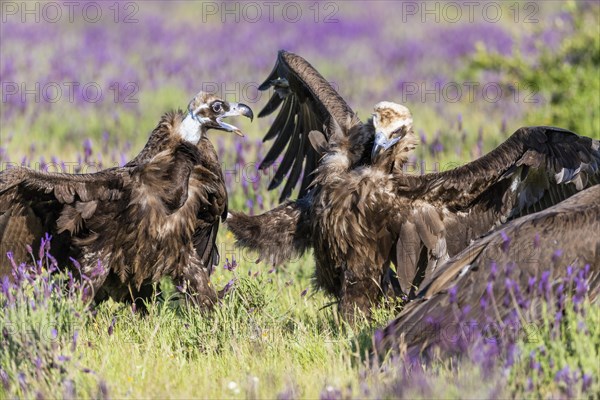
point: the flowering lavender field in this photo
(93, 82)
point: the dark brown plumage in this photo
(360, 212)
(128, 227)
(521, 251)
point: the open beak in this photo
(381, 143)
(234, 110)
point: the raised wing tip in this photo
(264, 165)
(264, 86)
(264, 112)
(281, 55)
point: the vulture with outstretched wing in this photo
(360, 212)
(125, 228)
(502, 276)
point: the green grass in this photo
(265, 339)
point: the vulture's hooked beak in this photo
(234, 110)
(382, 143)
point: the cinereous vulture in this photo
(125, 228)
(359, 211)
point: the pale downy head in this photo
(206, 111)
(392, 122)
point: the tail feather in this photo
(278, 235)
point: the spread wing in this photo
(308, 104)
(29, 185)
(31, 204)
(535, 168)
(511, 259)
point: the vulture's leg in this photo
(358, 295)
(144, 295)
(127, 293)
(390, 285)
(195, 281)
(328, 278)
(102, 282)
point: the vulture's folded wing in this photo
(165, 178)
(503, 272)
(535, 168)
(207, 185)
(311, 115)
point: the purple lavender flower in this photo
(531, 284)
(5, 286)
(4, 378)
(422, 137)
(558, 317)
(544, 284)
(111, 326)
(479, 142)
(564, 375)
(586, 382)
(581, 289)
(98, 270)
(483, 303)
(228, 286)
(556, 255)
(493, 271)
(11, 258)
(436, 147)
(534, 365)
(250, 206)
(74, 341)
(230, 266)
(452, 294)
(102, 390)
(68, 389)
(569, 272)
(511, 354)
(489, 289)
(505, 242)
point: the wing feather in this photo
(532, 160)
(570, 226)
(536, 168)
(309, 103)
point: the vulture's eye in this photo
(217, 107)
(399, 131)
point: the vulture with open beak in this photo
(502, 276)
(360, 212)
(125, 228)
